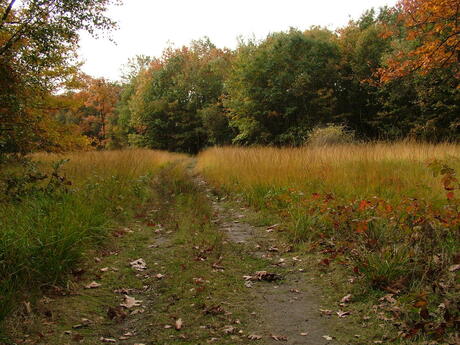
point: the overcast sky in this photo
(146, 26)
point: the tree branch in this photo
(7, 12)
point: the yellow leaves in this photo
(435, 24)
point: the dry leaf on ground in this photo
(130, 302)
(178, 324)
(454, 268)
(138, 265)
(278, 337)
(346, 299)
(92, 285)
(341, 313)
(263, 275)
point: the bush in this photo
(330, 135)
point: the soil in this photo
(289, 309)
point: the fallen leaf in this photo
(160, 276)
(137, 311)
(420, 303)
(229, 329)
(278, 337)
(326, 311)
(78, 326)
(295, 290)
(346, 299)
(327, 337)
(216, 266)
(138, 265)
(304, 334)
(254, 337)
(248, 284)
(92, 285)
(130, 302)
(107, 340)
(389, 298)
(178, 324)
(454, 268)
(263, 275)
(105, 269)
(28, 308)
(341, 313)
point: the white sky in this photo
(146, 26)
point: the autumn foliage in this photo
(390, 74)
(432, 31)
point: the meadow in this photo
(388, 212)
(54, 208)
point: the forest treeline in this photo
(391, 74)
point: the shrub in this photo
(330, 135)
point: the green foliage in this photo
(282, 87)
(175, 104)
(48, 223)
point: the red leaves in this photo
(362, 227)
(364, 205)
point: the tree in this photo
(362, 47)
(39, 37)
(38, 41)
(101, 98)
(281, 88)
(430, 38)
(176, 96)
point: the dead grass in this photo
(127, 163)
(352, 170)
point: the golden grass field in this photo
(127, 163)
(389, 170)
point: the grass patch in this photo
(51, 217)
(201, 281)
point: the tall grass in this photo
(391, 171)
(45, 232)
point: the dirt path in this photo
(289, 309)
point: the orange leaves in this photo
(433, 25)
(362, 227)
(364, 205)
